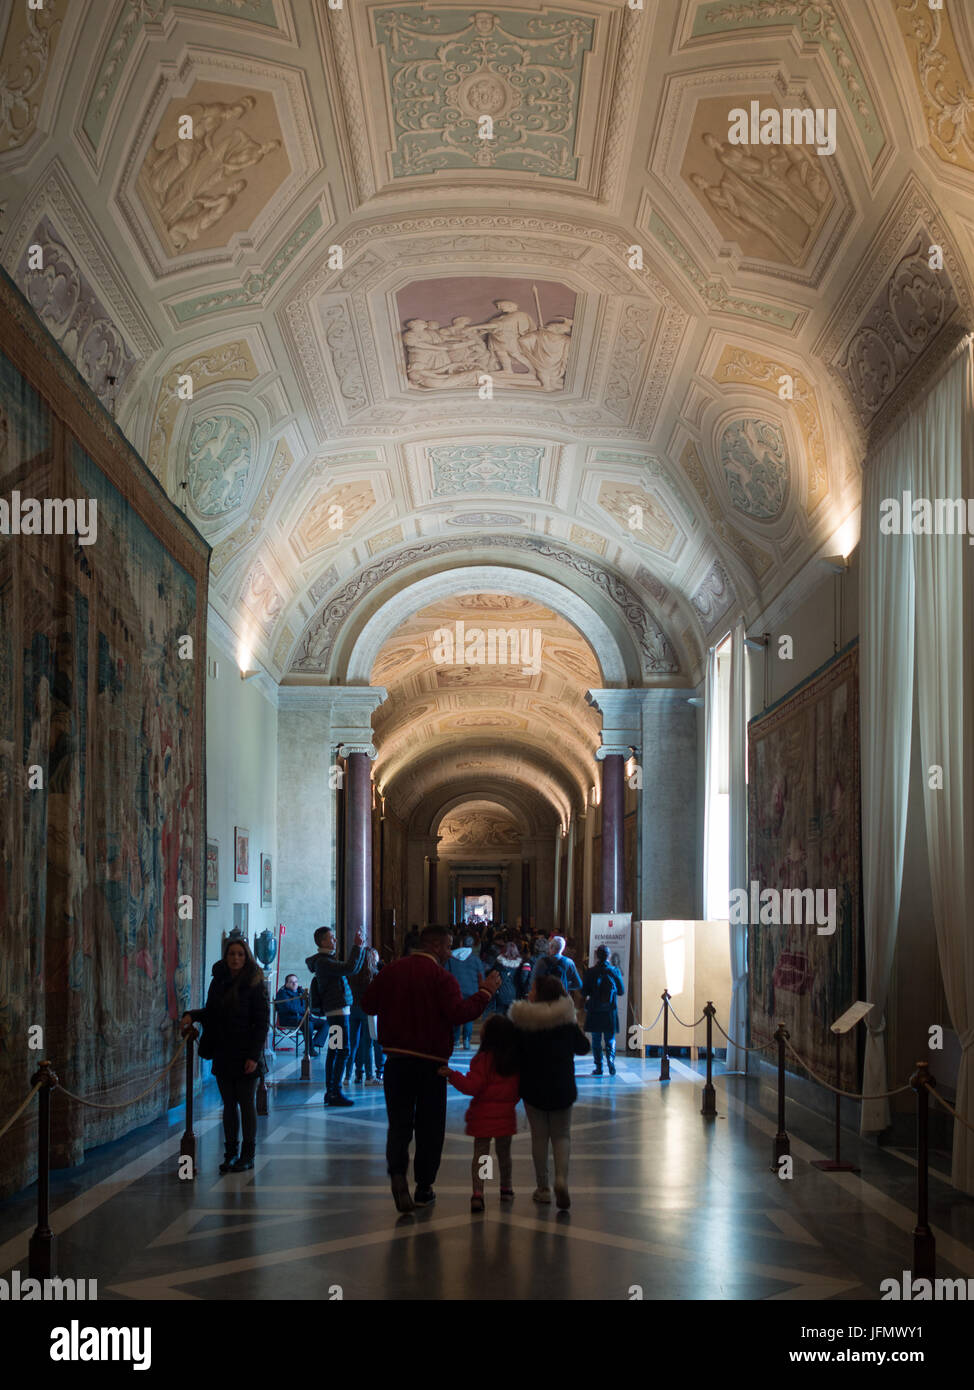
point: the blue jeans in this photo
(467, 1033)
(609, 1041)
(358, 1031)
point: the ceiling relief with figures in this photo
(494, 284)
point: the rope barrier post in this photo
(664, 1066)
(709, 1104)
(41, 1250)
(924, 1242)
(782, 1144)
(306, 1034)
(187, 1145)
(836, 1165)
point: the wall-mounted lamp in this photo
(837, 564)
(248, 675)
(696, 700)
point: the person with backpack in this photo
(464, 966)
(332, 998)
(558, 964)
(601, 986)
(507, 964)
(548, 1041)
(494, 1084)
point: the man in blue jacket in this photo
(335, 1002)
(464, 966)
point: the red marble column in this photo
(431, 911)
(358, 846)
(613, 849)
(525, 894)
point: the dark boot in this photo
(244, 1163)
(228, 1160)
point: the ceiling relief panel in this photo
(446, 69)
(414, 83)
(136, 16)
(220, 455)
(392, 535)
(741, 366)
(753, 454)
(26, 60)
(261, 596)
(757, 560)
(588, 540)
(773, 200)
(513, 469)
(456, 329)
(230, 548)
(231, 362)
(330, 516)
(640, 513)
(199, 192)
(943, 85)
(74, 313)
(715, 596)
(817, 23)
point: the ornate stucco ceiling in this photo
(335, 258)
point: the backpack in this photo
(604, 993)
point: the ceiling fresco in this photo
(387, 289)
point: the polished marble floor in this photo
(681, 1206)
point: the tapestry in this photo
(804, 833)
(102, 830)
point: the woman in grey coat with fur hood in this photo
(548, 1041)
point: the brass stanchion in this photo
(664, 1066)
(306, 1034)
(187, 1145)
(924, 1242)
(41, 1251)
(709, 1104)
(782, 1144)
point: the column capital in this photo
(368, 748)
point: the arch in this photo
(495, 579)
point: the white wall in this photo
(241, 789)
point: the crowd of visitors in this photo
(397, 1024)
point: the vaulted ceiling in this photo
(701, 339)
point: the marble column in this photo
(431, 911)
(314, 723)
(358, 839)
(525, 893)
(613, 829)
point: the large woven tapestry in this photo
(804, 833)
(102, 833)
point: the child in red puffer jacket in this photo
(494, 1084)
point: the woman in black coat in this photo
(235, 1020)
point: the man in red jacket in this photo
(419, 1004)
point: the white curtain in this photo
(712, 911)
(943, 449)
(736, 1057)
(886, 705)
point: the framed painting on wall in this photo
(241, 854)
(266, 881)
(213, 871)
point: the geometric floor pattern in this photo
(665, 1205)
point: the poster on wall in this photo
(613, 930)
(212, 871)
(266, 881)
(241, 854)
